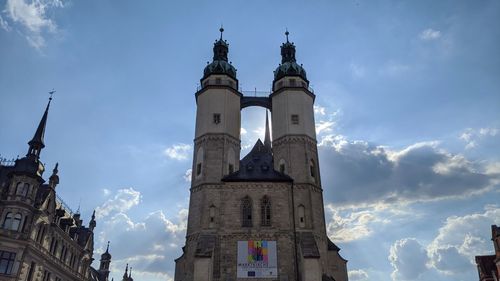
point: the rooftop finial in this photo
(107, 248)
(286, 34)
(221, 29)
(51, 93)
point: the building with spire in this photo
(41, 239)
(261, 217)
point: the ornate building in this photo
(488, 267)
(261, 217)
(40, 238)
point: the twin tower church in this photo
(261, 217)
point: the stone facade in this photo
(40, 238)
(272, 195)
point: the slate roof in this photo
(308, 245)
(205, 245)
(257, 165)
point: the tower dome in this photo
(289, 66)
(220, 64)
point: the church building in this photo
(261, 217)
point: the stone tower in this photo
(260, 217)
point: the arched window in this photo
(265, 211)
(7, 222)
(211, 213)
(22, 189)
(302, 216)
(230, 160)
(246, 211)
(282, 166)
(16, 222)
(312, 169)
(199, 162)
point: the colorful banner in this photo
(257, 259)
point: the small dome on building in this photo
(220, 64)
(289, 65)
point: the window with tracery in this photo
(246, 211)
(265, 211)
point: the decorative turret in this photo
(36, 144)
(289, 66)
(105, 262)
(92, 223)
(220, 63)
(54, 178)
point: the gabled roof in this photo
(257, 165)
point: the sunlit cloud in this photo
(179, 151)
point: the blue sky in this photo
(407, 114)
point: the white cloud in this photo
(121, 202)
(4, 24)
(187, 175)
(408, 258)
(324, 126)
(178, 151)
(351, 225)
(472, 137)
(243, 131)
(357, 71)
(32, 16)
(149, 245)
(357, 275)
(106, 191)
(430, 34)
(319, 110)
(460, 239)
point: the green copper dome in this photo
(289, 66)
(219, 65)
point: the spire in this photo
(287, 50)
(36, 144)
(267, 138)
(92, 223)
(54, 178)
(125, 275)
(107, 249)
(220, 48)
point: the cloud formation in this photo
(360, 173)
(430, 34)
(121, 202)
(31, 16)
(357, 275)
(472, 137)
(408, 258)
(150, 244)
(179, 151)
(460, 239)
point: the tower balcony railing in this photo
(291, 83)
(7, 162)
(218, 82)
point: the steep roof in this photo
(258, 165)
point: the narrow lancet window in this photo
(246, 211)
(265, 211)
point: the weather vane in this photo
(51, 93)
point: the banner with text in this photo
(257, 259)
